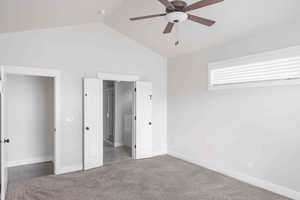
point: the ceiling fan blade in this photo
(148, 16)
(169, 28)
(201, 4)
(201, 20)
(167, 4)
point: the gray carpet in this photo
(159, 178)
(25, 172)
(116, 154)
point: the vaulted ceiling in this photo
(235, 19)
(19, 15)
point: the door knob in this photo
(87, 128)
(6, 140)
(150, 123)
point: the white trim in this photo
(57, 125)
(255, 84)
(29, 161)
(33, 71)
(117, 77)
(255, 58)
(159, 153)
(69, 169)
(278, 189)
(3, 155)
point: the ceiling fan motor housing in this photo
(177, 15)
(178, 4)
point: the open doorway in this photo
(138, 122)
(29, 116)
(30, 105)
(117, 120)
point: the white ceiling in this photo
(19, 15)
(235, 19)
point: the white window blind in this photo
(277, 66)
(265, 71)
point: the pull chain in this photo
(176, 34)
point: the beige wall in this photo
(250, 131)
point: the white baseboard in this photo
(29, 161)
(159, 153)
(281, 190)
(68, 169)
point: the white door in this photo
(143, 110)
(93, 131)
(4, 140)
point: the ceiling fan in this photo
(176, 12)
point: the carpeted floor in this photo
(159, 178)
(116, 154)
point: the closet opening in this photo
(29, 126)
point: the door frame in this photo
(121, 77)
(56, 75)
(4, 171)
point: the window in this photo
(271, 68)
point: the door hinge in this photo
(134, 117)
(135, 146)
(135, 89)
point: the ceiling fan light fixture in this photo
(176, 17)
